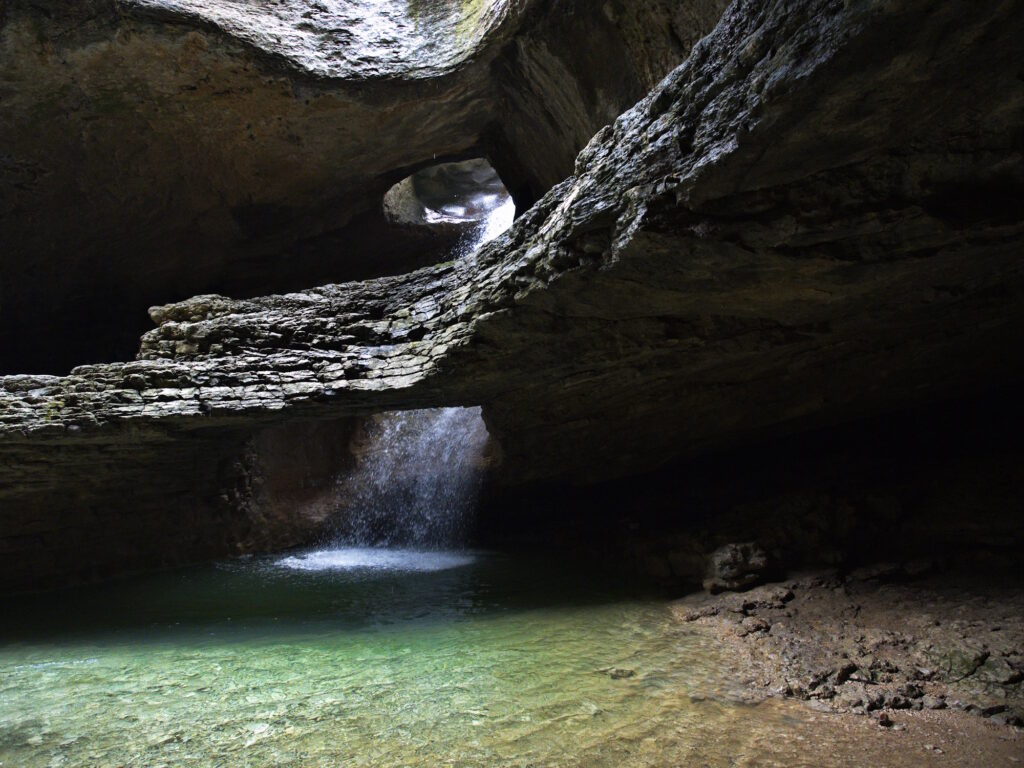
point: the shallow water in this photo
(361, 657)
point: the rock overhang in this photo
(351, 40)
(691, 285)
(136, 133)
(639, 199)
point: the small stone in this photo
(911, 691)
(885, 721)
(618, 673)
(753, 624)
(896, 701)
(852, 695)
(844, 671)
(875, 700)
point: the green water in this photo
(417, 661)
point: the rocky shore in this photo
(890, 642)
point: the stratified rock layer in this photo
(807, 221)
(157, 149)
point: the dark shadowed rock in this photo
(781, 234)
(735, 567)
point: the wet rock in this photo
(961, 662)
(896, 701)
(762, 598)
(911, 691)
(857, 695)
(993, 709)
(998, 670)
(844, 671)
(248, 98)
(869, 660)
(701, 612)
(735, 567)
(752, 625)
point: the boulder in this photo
(734, 567)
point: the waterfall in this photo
(418, 473)
(499, 218)
(416, 481)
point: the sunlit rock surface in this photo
(781, 234)
(352, 39)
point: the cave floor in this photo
(919, 663)
(786, 732)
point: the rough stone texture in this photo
(349, 39)
(128, 502)
(870, 642)
(816, 216)
(735, 566)
(156, 149)
(570, 70)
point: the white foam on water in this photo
(373, 558)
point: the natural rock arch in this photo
(732, 255)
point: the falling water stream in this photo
(417, 479)
(413, 492)
(391, 646)
(411, 496)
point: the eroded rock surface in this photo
(876, 641)
(782, 233)
(350, 39)
(735, 567)
(159, 149)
